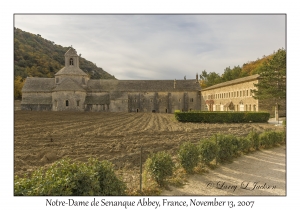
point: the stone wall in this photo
(68, 100)
(239, 94)
(36, 101)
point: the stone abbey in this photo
(72, 90)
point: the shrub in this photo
(246, 144)
(254, 138)
(282, 136)
(207, 151)
(236, 145)
(271, 138)
(189, 156)
(108, 182)
(61, 178)
(71, 179)
(160, 166)
(228, 147)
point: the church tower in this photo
(71, 58)
(71, 69)
(70, 85)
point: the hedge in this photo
(222, 117)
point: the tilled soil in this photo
(40, 138)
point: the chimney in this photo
(197, 78)
(174, 83)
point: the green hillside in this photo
(250, 68)
(35, 56)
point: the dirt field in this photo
(41, 138)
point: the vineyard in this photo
(40, 138)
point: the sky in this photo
(141, 46)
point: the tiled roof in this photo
(37, 100)
(71, 70)
(71, 52)
(232, 82)
(35, 84)
(68, 84)
(142, 85)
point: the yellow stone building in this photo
(234, 95)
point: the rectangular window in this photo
(77, 103)
(191, 99)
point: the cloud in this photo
(162, 46)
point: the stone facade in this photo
(235, 95)
(72, 90)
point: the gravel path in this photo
(260, 173)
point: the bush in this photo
(254, 138)
(228, 147)
(207, 151)
(222, 117)
(246, 144)
(108, 182)
(64, 178)
(189, 156)
(282, 136)
(160, 166)
(270, 138)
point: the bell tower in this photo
(71, 58)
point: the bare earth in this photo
(259, 173)
(40, 138)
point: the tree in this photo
(272, 79)
(209, 79)
(18, 85)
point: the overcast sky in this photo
(162, 46)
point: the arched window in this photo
(71, 61)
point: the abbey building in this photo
(72, 90)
